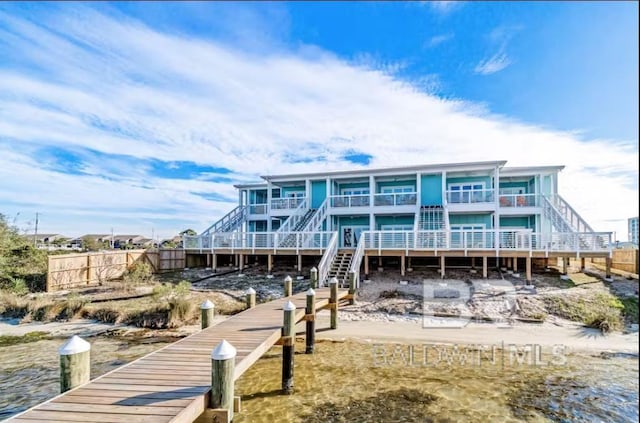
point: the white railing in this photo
(470, 196)
(257, 209)
(358, 200)
(356, 260)
(296, 217)
(518, 200)
(287, 203)
(507, 239)
(229, 221)
(569, 214)
(258, 241)
(327, 259)
(396, 199)
(315, 223)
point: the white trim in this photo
(403, 228)
(411, 189)
(461, 184)
(474, 226)
(351, 191)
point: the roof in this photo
(527, 170)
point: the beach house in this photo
(349, 219)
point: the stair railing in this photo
(228, 222)
(295, 217)
(327, 259)
(356, 259)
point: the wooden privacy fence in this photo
(622, 259)
(70, 271)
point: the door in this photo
(351, 235)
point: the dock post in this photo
(484, 267)
(75, 360)
(223, 363)
(288, 346)
(206, 314)
(288, 286)
(352, 286)
(251, 298)
(333, 302)
(314, 277)
(311, 322)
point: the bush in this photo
(601, 311)
(138, 274)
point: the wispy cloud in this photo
(437, 40)
(444, 7)
(127, 103)
(493, 64)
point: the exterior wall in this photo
(469, 219)
(258, 196)
(394, 220)
(525, 186)
(528, 222)
(546, 185)
(431, 190)
(318, 193)
(351, 185)
(383, 184)
(285, 190)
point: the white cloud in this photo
(494, 64)
(444, 7)
(436, 40)
(174, 98)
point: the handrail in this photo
(316, 221)
(356, 259)
(518, 200)
(350, 200)
(470, 196)
(227, 220)
(293, 220)
(327, 259)
(287, 203)
(563, 207)
(397, 199)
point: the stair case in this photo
(230, 222)
(289, 239)
(431, 219)
(565, 219)
(340, 268)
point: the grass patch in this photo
(600, 311)
(630, 309)
(6, 340)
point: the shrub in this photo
(138, 274)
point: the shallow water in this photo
(29, 373)
(349, 382)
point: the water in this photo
(348, 382)
(30, 373)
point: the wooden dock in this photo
(173, 384)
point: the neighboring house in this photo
(633, 230)
(96, 238)
(47, 239)
(127, 241)
(175, 242)
(482, 209)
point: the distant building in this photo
(633, 230)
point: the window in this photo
(355, 191)
(472, 235)
(397, 190)
(294, 194)
(468, 192)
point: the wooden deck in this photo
(173, 383)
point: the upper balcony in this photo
(474, 199)
(290, 203)
(379, 200)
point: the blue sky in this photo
(139, 116)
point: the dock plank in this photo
(173, 383)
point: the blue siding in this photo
(285, 190)
(394, 220)
(485, 179)
(409, 182)
(431, 187)
(351, 185)
(518, 221)
(318, 193)
(466, 219)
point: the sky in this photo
(139, 117)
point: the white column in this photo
(372, 189)
(444, 186)
(496, 226)
(269, 206)
(307, 191)
(328, 191)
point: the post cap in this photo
(224, 351)
(313, 269)
(207, 305)
(288, 279)
(311, 292)
(74, 345)
(289, 306)
(333, 280)
(251, 291)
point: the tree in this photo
(20, 262)
(188, 232)
(92, 244)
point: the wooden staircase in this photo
(340, 267)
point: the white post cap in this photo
(333, 280)
(251, 291)
(313, 269)
(224, 351)
(288, 279)
(311, 292)
(289, 306)
(74, 345)
(207, 305)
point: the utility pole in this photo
(35, 235)
(111, 243)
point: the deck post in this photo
(352, 286)
(484, 267)
(333, 302)
(442, 266)
(241, 262)
(314, 277)
(528, 266)
(269, 264)
(582, 264)
(251, 298)
(311, 323)
(206, 314)
(565, 263)
(74, 363)
(402, 265)
(366, 266)
(515, 265)
(299, 264)
(288, 286)
(288, 346)
(608, 268)
(473, 263)
(235, 260)
(223, 361)
(214, 262)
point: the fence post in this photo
(75, 361)
(288, 286)
(333, 302)
(251, 298)
(206, 314)
(288, 346)
(223, 360)
(310, 317)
